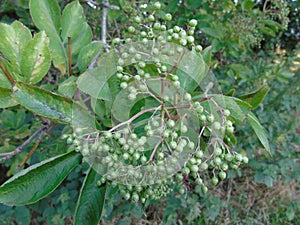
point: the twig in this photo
(7, 74)
(103, 4)
(40, 138)
(70, 56)
(133, 118)
(104, 25)
(20, 148)
(103, 34)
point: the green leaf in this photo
(22, 34)
(72, 21)
(191, 70)
(36, 59)
(5, 98)
(50, 105)
(259, 131)
(95, 82)
(68, 87)
(82, 40)
(91, 200)
(227, 102)
(9, 46)
(256, 97)
(43, 102)
(4, 83)
(37, 181)
(207, 53)
(87, 54)
(46, 16)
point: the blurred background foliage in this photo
(253, 43)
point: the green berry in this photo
(156, 26)
(168, 17)
(137, 19)
(131, 29)
(123, 85)
(216, 125)
(157, 5)
(218, 151)
(199, 48)
(193, 23)
(151, 18)
(214, 180)
(190, 39)
(226, 112)
(186, 171)
(245, 159)
(204, 189)
(224, 166)
(222, 175)
(194, 168)
(199, 154)
(176, 29)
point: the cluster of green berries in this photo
(144, 159)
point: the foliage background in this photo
(248, 51)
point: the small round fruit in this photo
(193, 23)
(214, 180)
(131, 29)
(157, 5)
(222, 175)
(168, 17)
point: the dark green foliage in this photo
(249, 47)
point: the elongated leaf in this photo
(22, 34)
(95, 82)
(256, 97)
(91, 200)
(85, 37)
(46, 16)
(36, 59)
(9, 46)
(50, 105)
(39, 180)
(4, 83)
(87, 54)
(227, 102)
(259, 131)
(43, 102)
(206, 53)
(5, 98)
(72, 21)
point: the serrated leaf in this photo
(35, 58)
(72, 21)
(259, 131)
(87, 54)
(91, 200)
(5, 98)
(39, 180)
(50, 105)
(256, 97)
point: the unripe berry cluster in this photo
(178, 137)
